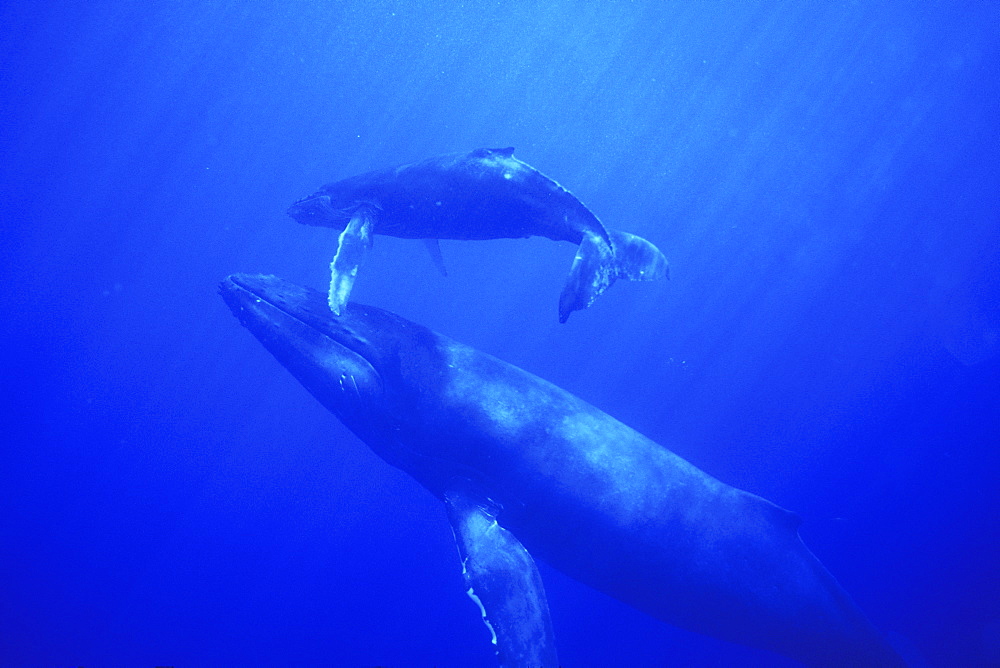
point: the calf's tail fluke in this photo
(597, 265)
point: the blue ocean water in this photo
(822, 176)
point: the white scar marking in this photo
(479, 604)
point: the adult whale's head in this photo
(354, 364)
(380, 374)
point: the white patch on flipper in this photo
(482, 611)
(352, 244)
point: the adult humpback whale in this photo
(485, 194)
(518, 461)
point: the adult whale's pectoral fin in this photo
(354, 242)
(503, 581)
(596, 266)
(434, 248)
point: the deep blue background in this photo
(823, 177)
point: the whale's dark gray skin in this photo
(485, 194)
(519, 461)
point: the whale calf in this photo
(526, 468)
(484, 194)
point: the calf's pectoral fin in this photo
(503, 581)
(596, 266)
(353, 243)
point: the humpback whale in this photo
(526, 469)
(485, 194)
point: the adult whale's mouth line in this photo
(238, 282)
(243, 292)
(306, 307)
(330, 354)
(243, 283)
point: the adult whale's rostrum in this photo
(518, 461)
(485, 194)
